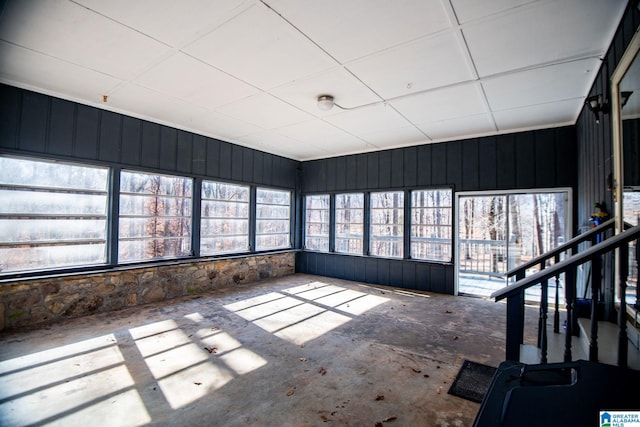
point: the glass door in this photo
(498, 232)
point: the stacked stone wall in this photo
(45, 300)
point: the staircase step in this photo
(530, 354)
(607, 343)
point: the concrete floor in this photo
(299, 351)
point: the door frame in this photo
(488, 193)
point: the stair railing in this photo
(514, 295)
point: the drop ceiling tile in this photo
(196, 82)
(318, 133)
(442, 104)
(368, 119)
(275, 143)
(398, 137)
(350, 30)
(265, 111)
(424, 64)
(172, 22)
(154, 106)
(220, 126)
(552, 83)
(461, 127)
(260, 48)
(342, 85)
(468, 10)
(538, 116)
(70, 32)
(543, 33)
(24, 67)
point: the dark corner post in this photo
(515, 325)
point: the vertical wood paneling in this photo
(331, 175)
(199, 149)
(454, 164)
(384, 170)
(439, 164)
(110, 137)
(87, 131)
(185, 152)
(168, 148)
(61, 127)
(408, 274)
(506, 159)
(488, 164)
(258, 166)
(351, 177)
(424, 166)
(212, 163)
(247, 164)
(33, 127)
(397, 164)
(525, 161)
(373, 165)
(565, 147)
(224, 161)
(410, 167)
(470, 166)
(150, 145)
(267, 169)
(131, 141)
(341, 183)
(545, 158)
(361, 168)
(237, 162)
(10, 108)
(422, 276)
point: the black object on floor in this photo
(472, 381)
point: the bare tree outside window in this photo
(350, 223)
(387, 224)
(155, 216)
(317, 223)
(224, 226)
(431, 224)
(273, 213)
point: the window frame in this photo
(246, 219)
(400, 226)
(412, 225)
(257, 219)
(189, 217)
(327, 224)
(32, 191)
(362, 224)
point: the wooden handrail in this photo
(563, 248)
(573, 261)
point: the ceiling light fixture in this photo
(325, 102)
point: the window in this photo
(431, 225)
(317, 223)
(155, 216)
(387, 223)
(224, 224)
(350, 223)
(52, 215)
(272, 219)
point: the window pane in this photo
(273, 213)
(52, 215)
(155, 216)
(317, 223)
(431, 219)
(224, 226)
(350, 223)
(387, 224)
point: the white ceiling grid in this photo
(248, 71)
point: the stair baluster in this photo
(556, 313)
(596, 280)
(569, 289)
(623, 268)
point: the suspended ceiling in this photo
(249, 72)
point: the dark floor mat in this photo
(472, 381)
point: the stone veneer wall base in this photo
(37, 301)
